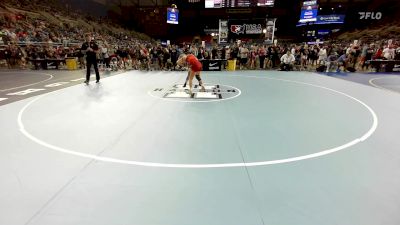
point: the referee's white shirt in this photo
(287, 59)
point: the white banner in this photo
(270, 30)
(223, 31)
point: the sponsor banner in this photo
(325, 19)
(223, 32)
(308, 15)
(270, 30)
(323, 32)
(211, 65)
(246, 29)
(309, 12)
(330, 19)
(172, 16)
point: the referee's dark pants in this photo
(89, 64)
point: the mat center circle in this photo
(152, 139)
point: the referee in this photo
(90, 48)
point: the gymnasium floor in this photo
(258, 148)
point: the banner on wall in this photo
(246, 28)
(326, 19)
(309, 11)
(270, 30)
(330, 19)
(309, 14)
(172, 16)
(223, 32)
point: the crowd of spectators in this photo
(137, 54)
(25, 38)
(41, 29)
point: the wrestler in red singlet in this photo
(194, 63)
(195, 68)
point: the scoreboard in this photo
(238, 3)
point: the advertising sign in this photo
(246, 29)
(253, 28)
(323, 32)
(172, 16)
(211, 65)
(330, 19)
(309, 12)
(326, 19)
(308, 15)
(223, 31)
(270, 30)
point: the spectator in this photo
(214, 53)
(342, 61)
(174, 56)
(253, 57)
(368, 57)
(167, 63)
(287, 61)
(261, 55)
(243, 52)
(332, 62)
(322, 55)
(388, 53)
(105, 56)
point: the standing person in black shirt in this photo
(160, 57)
(174, 56)
(214, 52)
(166, 59)
(91, 48)
(223, 52)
